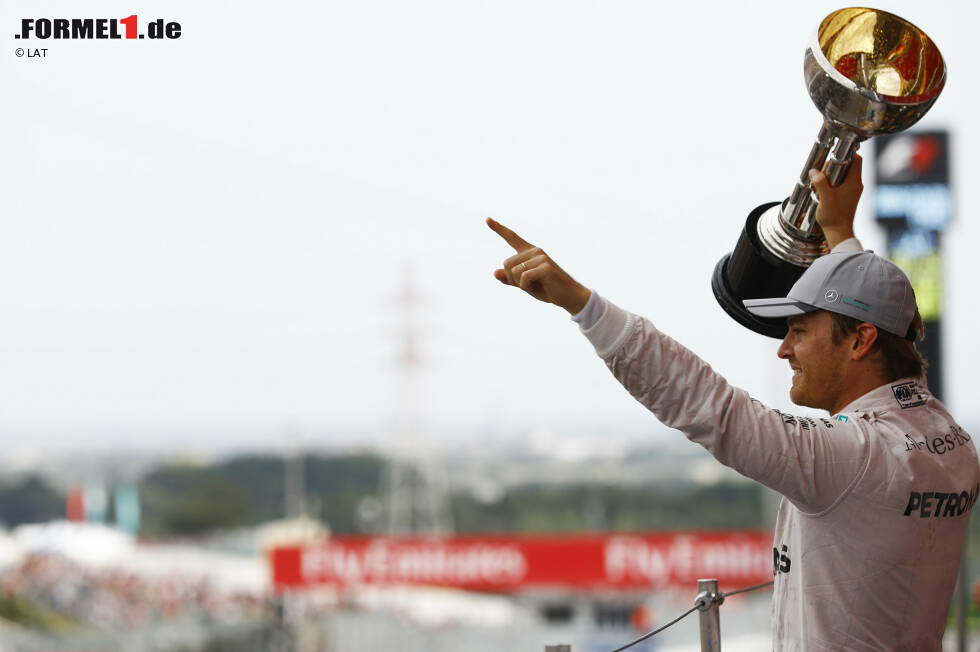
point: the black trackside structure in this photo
(913, 202)
(750, 271)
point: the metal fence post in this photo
(707, 603)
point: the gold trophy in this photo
(869, 72)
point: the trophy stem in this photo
(836, 169)
(800, 199)
(792, 233)
(840, 160)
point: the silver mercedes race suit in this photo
(876, 499)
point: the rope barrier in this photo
(701, 602)
(657, 631)
(751, 588)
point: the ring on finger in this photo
(523, 267)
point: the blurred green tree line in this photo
(188, 500)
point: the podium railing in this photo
(707, 602)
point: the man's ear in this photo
(867, 335)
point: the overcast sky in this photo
(204, 238)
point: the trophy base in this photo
(752, 272)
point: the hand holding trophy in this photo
(868, 72)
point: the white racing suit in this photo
(876, 499)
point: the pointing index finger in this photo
(517, 242)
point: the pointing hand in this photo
(533, 271)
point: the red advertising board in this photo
(510, 563)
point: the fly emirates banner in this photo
(509, 563)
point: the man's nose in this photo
(784, 350)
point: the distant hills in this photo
(506, 490)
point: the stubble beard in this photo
(811, 397)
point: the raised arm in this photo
(838, 204)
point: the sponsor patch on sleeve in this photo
(804, 422)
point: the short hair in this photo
(897, 355)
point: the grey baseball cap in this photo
(857, 284)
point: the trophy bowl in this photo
(868, 72)
(872, 72)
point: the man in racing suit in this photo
(876, 497)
